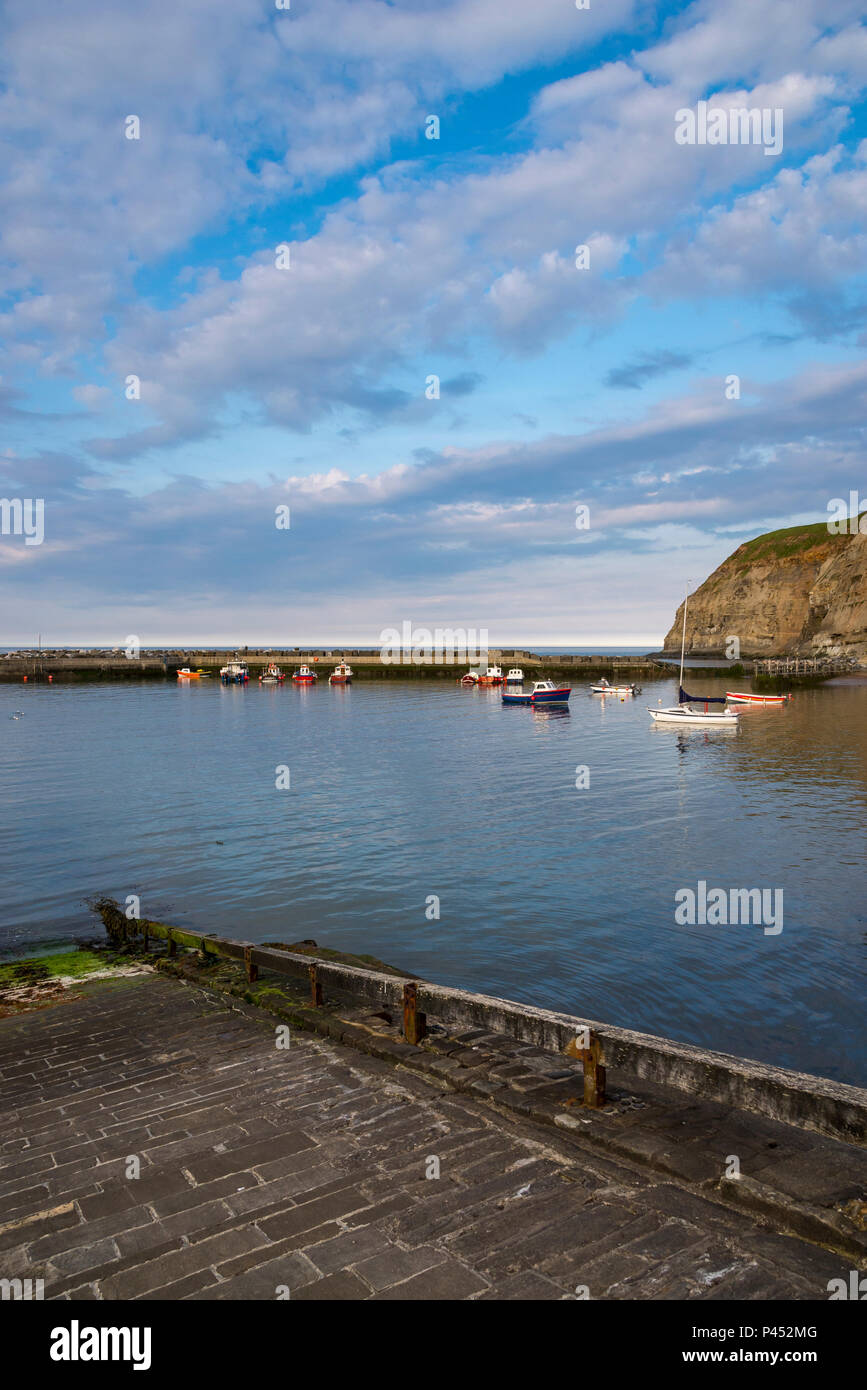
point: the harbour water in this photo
(407, 799)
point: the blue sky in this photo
(411, 258)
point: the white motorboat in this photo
(684, 712)
(234, 673)
(603, 688)
(515, 676)
(272, 675)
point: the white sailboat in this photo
(683, 713)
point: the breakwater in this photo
(366, 664)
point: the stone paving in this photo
(318, 1172)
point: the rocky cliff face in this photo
(795, 592)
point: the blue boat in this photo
(543, 693)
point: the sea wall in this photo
(366, 665)
(795, 1098)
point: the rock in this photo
(797, 592)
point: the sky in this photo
(441, 277)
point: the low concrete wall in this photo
(809, 1102)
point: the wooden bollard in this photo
(173, 946)
(252, 967)
(315, 987)
(414, 1022)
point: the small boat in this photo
(341, 675)
(493, 676)
(304, 676)
(471, 678)
(515, 676)
(543, 693)
(683, 712)
(735, 698)
(603, 688)
(185, 674)
(234, 673)
(272, 675)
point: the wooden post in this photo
(315, 986)
(252, 967)
(414, 1022)
(594, 1074)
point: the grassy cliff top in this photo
(790, 542)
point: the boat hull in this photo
(738, 698)
(546, 697)
(681, 715)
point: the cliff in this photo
(797, 592)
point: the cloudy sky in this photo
(285, 261)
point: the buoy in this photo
(25, 678)
(50, 679)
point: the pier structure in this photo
(367, 663)
(303, 1133)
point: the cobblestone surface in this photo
(317, 1172)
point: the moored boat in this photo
(543, 693)
(515, 676)
(272, 675)
(341, 675)
(736, 698)
(471, 678)
(603, 688)
(185, 674)
(683, 712)
(234, 673)
(493, 676)
(304, 676)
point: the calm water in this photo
(399, 790)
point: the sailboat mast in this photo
(683, 641)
